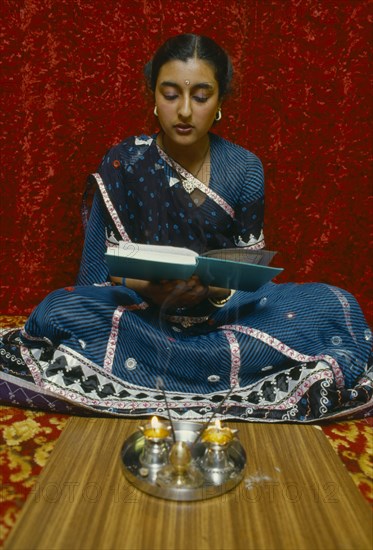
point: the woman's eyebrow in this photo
(204, 85)
(169, 83)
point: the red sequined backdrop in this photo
(72, 86)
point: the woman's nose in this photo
(185, 108)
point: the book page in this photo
(258, 257)
(155, 253)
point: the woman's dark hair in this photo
(188, 46)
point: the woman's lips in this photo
(183, 128)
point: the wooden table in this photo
(296, 494)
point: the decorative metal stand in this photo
(200, 464)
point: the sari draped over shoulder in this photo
(153, 207)
(287, 352)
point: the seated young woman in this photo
(284, 352)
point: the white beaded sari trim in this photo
(196, 183)
(110, 208)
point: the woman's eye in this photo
(200, 99)
(170, 97)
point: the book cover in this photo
(227, 268)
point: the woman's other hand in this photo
(175, 293)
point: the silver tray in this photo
(215, 482)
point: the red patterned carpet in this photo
(353, 442)
(28, 438)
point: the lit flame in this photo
(217, 424)
(155, 423)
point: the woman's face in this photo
(187, 99)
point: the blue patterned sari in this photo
(287, 352)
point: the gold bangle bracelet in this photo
(220, 302)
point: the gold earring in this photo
(155, 111)
(218, 116)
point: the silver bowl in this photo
(217, 481)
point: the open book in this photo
(235, 268)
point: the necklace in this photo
(188, 185)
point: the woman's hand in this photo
(176, 293)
